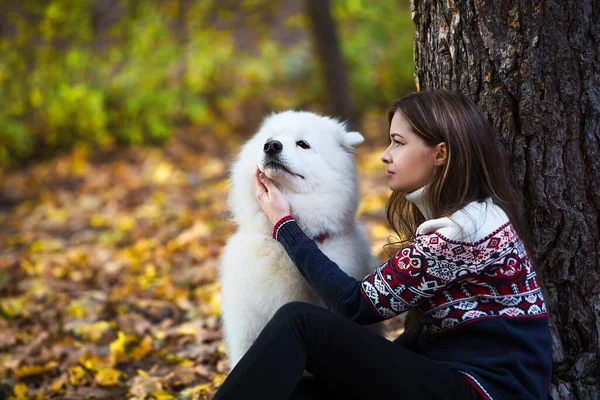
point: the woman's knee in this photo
(295, 308)
(293, 315)
(300, 311)
(301, 314)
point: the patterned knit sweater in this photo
(470, 279)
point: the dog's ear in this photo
(351, 140)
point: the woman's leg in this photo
(310, 388)
(350, 360)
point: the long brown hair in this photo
(474, 169)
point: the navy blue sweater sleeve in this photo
(341, 292)
(412, 276)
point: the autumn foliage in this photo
(112, 229)
(109, 265)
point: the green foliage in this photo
(377, 43)
(44, 80)
(215, 64)
(142, 100)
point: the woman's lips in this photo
(390, 173)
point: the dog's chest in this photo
(347, 256)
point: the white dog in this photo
(310, 159)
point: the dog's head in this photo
(308, 156)
(302, 150)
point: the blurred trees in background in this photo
(330, 57)
(96, 71)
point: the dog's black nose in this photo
(273, 147)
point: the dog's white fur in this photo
(257, 276)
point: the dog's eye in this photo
(303, 144)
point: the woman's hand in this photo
(271, 200)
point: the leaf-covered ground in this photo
(109, 265)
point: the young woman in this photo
(463, 267)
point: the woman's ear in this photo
(440, 154)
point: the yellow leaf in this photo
(20, 390)
(76, 309)
(205, 387)
(108, 377)
(144, 245)
(150, 272)
(58, 384)
(209, 296)
(118, 350)
(59, 271)
(160, 334)
(158, 198)
(125, 222)
(215, 304)
(162, 172)
(98, 220)
(32, 370)
(163, 395)
(77, 376)
(186, 363)
(95, 363)
(143, 349)
(36, 246)
(13, 306)
(187, 328)
(218, 379)
(93, 332)
(32, 269)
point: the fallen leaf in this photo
(32, 370)
(20, 391)
(162, 172)
(163, 395)
(108, 377)
(144, 348)
(59, 384)
(118, 348)
(77, 376)
(142, 386)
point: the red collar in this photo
(322, 237)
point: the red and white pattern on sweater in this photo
(452, 283)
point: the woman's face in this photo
(410, 161)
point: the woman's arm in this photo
(341, 292)
(404, 280)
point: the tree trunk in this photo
(331, 61)
(534, 69)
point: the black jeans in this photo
(347, 361)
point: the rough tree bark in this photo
(331, 61)
(534, 68)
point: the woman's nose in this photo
(385, 157)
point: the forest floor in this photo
(109, 264)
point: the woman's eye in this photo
(397, 144)
(303, 144)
